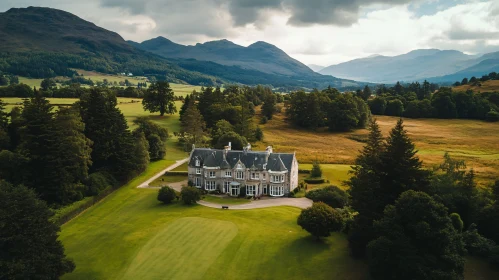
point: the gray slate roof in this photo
(250, 159)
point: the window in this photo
(250, 190)
(255, 175)
(210, 186)
(198, 171)
(197, 182)
(277, 178)
(226, 187)
(276, 190)
(212, 174)
(238, 166)
(228, 174)
(263, 176)
(265, 189)
(197, 162)
(239, 175)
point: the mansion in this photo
(227, 170)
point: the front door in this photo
(234, 190)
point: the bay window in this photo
(276, 190)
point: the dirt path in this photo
(159, 174)
(285, 201)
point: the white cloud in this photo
(310, 35)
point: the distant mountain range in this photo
(444, 66)
(44, 42)
(315, 67)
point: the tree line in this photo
(415, 101)
(327, 108)
(474, 81)
(407, 220)
(225, 115)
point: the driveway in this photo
(161, 173)
(302, 202)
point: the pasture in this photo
(474, 141)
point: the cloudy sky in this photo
(321, 32)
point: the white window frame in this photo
(228, 174)
(210, 185)
(197, 182)
(227, 187)
(212, 174)
(250, 190)
(276, 190)
(240, 175)
(255, 175)
(277, 178)
(198, 162)
(198, 171)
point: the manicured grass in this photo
(225, 200)
(186, 242)
(167, 179)
(470, 140)
(182, 167)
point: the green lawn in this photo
(182, 167)
(225, 200)
(166, 179)
(335, 173)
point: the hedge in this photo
(304, 171)
(315, 180)
(175, 173)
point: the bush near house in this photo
(190, 195)
(331, 195)
(166, 195)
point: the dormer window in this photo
(197, 162)
(238, 166)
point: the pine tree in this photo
(187, 99)
(193, 125)
(268, 107)
(401, 169)
(364, 186)
(28, 240)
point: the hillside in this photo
(412, 66)
(43, 42)
(487, 86)
(260, 56)
(315, 67)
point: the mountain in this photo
(315, 67)
(483, 65)
(413, 66)
(260, 56)
(43, 42)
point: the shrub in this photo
(320, 220)
(492, 116)
(190, 195)
(259, 134)
(316, 171)
(314, 181)
(304, 171)
(166, 195)
(264, 120)
(331, 195)
(98, 181)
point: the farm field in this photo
(476, 142)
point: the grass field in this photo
(167, 179)
(225, 200)
(487, 86)
(335, 173)
(476, 142)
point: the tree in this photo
(364, 186)
(366, 93)
(3, 80)
(4, 116)
(258, 134)
(187, 100)
(155, 135)
(378, 105)
(48, 84)
(159, 97)
(464, 81)
(394, 108)
(347, 112)
(416, 238)
(166, 195)
(320, 220)
(28, 240)
(221, 127)
(331, 195)
(237, 141)
(316, 171)
(444, 105)
(268, 107)
(193, 125)
(190, 195)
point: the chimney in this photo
(269, 150)
(227, 149)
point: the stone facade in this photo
(227, 170)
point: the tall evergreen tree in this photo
(192, 125)
(29, 248)
(364, 187)
(159, 97)
(269, 103)
(187, 99)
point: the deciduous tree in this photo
(320, 220)
(159, 97)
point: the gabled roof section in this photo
(254, 160)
